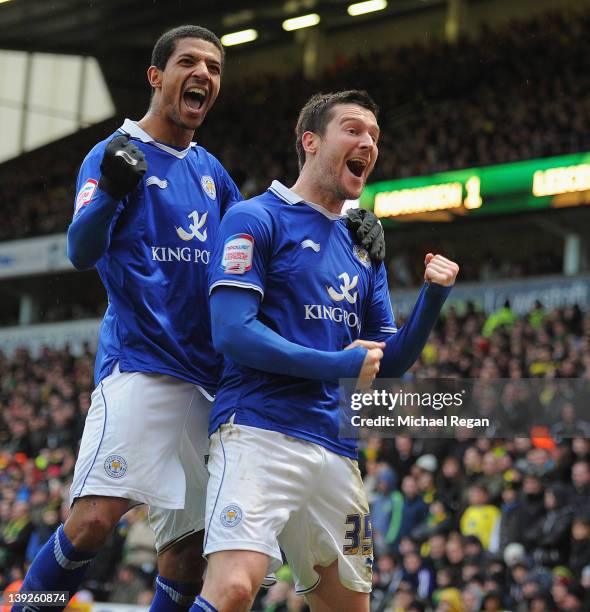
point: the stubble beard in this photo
(178, 122)
(174, 116)
(329, 180)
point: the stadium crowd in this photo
(514, 92)
(460, 524)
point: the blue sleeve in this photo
(404, 347)
(243, 248)
(95, 213)
(379, 322)
(239, 335)
(230, 194)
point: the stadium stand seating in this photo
(516, 92)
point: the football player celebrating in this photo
(295, 306)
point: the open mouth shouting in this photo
(357, 165)
(194, 98)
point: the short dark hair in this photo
(166, 44)
(317, 113)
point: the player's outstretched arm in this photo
(239, 335)
(404, 347)
(122, 167)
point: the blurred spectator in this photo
(404, 458)
(281, 597)
(128, 586)
(581, 482)
(437, 521)
(472, 598)
(579, 548)
(492, 602)
(424, 471)
(413, 512)
(569, 425)
(510, 518)
(140, 543)
(581, 448)
(418, 575)
(503, 317)
(387, 506)
(387, 575)
(403, 598)
(450, 483)
(437, 551)
(551, 533)
(491, 478)
(456, 556)
(15, 535)
(480, 518)
(48, 523)
(531, 510)
(449, 600)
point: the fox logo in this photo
(194, 227)
(345, 288)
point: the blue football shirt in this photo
(155, 269)
(318, 289)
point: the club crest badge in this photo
(208, 186)
(231, 515)
(362, 255)
(115, 466)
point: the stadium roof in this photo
(96, 27)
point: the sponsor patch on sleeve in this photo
(85, 194)
(238, 251)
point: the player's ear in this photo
(310, 142)
(154, 76)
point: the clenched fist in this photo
(370, 367)
(123, 166)
(440, 270)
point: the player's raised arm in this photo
(404, 347)
(100, 190)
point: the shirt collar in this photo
(292, 198)
(133, 129)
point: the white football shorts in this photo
(145, 440)
(268, 491)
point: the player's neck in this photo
(312, 191)
(165, 132)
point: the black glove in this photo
(367, 231)
(122, 167)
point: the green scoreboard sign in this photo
(553, 182)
